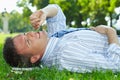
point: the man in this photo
(77, 50)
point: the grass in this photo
(50, 74)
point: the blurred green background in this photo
(79, 13)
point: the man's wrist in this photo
(44, 12)
(110, 31)
(112, 36)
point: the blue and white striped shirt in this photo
(79, 51)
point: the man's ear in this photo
(34, 58)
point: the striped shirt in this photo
(79, 51)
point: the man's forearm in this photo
(109, 31)
(112, 36)
(50, 10)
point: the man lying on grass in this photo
(76, 50)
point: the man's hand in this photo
(108, 31)
(37, 18)
(103, 29)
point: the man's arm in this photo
(109, 31)
(38, 17)
(112, 36)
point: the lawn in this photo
(50, 74)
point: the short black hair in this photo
(12, 57)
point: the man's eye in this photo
(28, 43)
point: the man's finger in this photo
(35, 21)
(41, 22)
(93, 28)
(36, 27)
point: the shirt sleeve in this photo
(57, 22)
(113, 53)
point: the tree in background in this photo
(80, 10)
(17, 23)
(1, 22)
(99, 9)
(93, 12)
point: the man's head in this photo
(25, 49)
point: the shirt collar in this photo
(49, 49)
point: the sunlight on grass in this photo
(4, 36)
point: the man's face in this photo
(31, 43)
